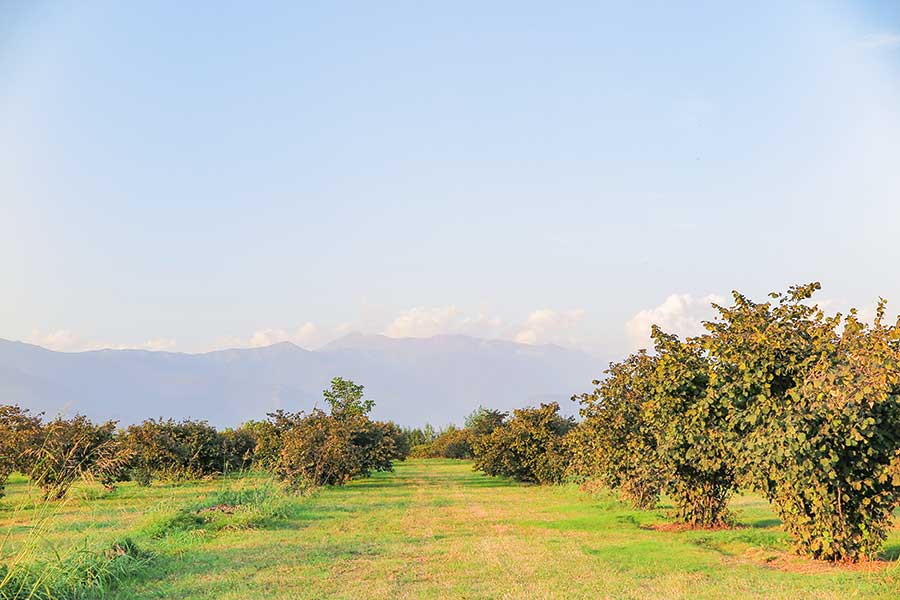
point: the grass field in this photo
(431, 529)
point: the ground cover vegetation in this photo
(776, 398)
(432, 528)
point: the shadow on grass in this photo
(201, 571)
(764, 523)
(487, 482)
(890, 552)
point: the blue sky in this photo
(194, 177)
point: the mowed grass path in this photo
(436, 529)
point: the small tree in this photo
(346, 399)
(155, 450)
(483, 421)
(529, 447)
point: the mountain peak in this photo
(413, 381)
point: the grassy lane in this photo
(435, 529)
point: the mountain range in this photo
(413, 381)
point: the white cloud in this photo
(880, 40)
(159, 344)
(547, 326)
(426, 322)
(307, 335)
(681, 314)
(544, 326)
(63, 340)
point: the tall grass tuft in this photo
(29, 572)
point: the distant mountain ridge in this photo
(412, 380)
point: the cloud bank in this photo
(681, 314)
(63, 340)
(541, 326)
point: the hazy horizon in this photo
(345, 336)
(191, 178)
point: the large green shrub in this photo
(815, 405)
(267, 436)
(483, 421)
(331, 448)
(391, 445)
(454, 442)
(528, 447)
(166, 449)
(319, 451)
(18, 431)
(693, 438)
(66, 449)
(615, 443)
(237, 449)
(653, 424)
(202, 449)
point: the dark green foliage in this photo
(18, 432)
(615, 443)
(393, 445)
(166, 449)
(155, 451)
(483, 421)
(318, 451)
(238, 446)
(693, 439)
(528, 447)
(651, 425)
(452, 442)
(267, 436)
(815, 404)
(322, 448)
(66, 449)
(203, 449)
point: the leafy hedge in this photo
(778, 396)
(304, 450)
(530, 446)
(332, 448)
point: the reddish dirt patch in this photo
(794, 563)
(800, 564)
(679, 527)
(227, 509)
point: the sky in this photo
(197, 176)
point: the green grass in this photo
(432, 529)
